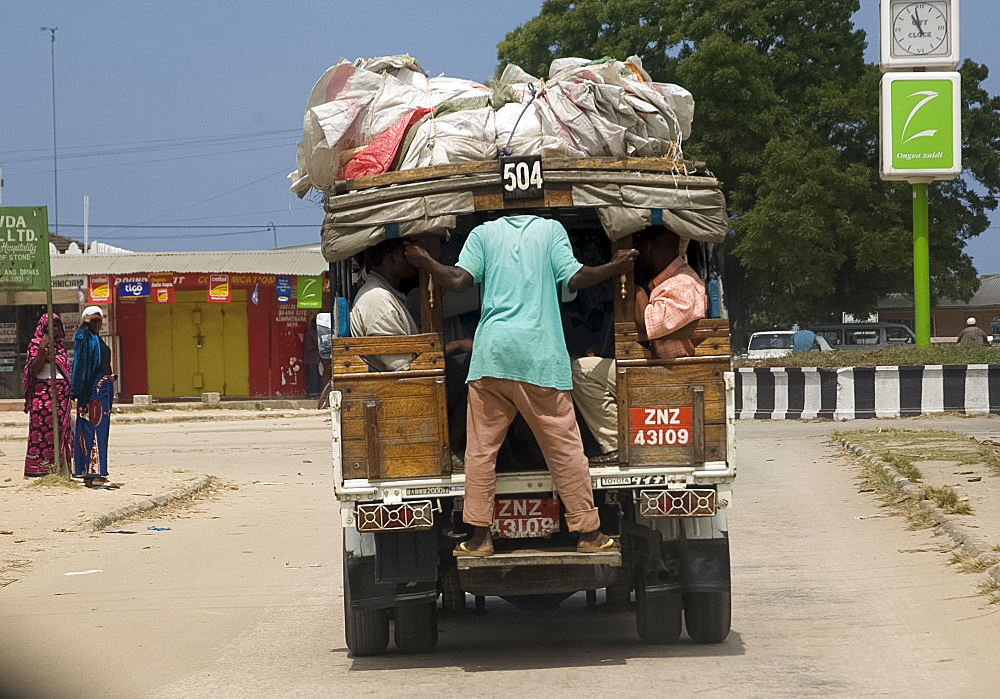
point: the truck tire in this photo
(416, 628)
(657, 614)
(707, 616)
(366, 631)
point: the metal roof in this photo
(988, 294)
(306, 260)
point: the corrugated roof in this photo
(988, 294)
(299, 260)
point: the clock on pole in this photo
(919, 34)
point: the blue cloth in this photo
(803, 340)
(86, 363)
(90, 443)
(520, 261)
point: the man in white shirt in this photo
(380, 306)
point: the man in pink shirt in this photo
(676, 297)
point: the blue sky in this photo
(187, 113)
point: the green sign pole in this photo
(921, 267)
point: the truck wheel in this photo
(366, 631)
(707, 616)
(416, 627)
(657, 614)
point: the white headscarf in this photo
(91, 310)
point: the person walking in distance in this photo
(520, 363)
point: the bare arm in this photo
(621, 263)
(42, 357)
(448, 276)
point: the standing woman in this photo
(38, 369)
(92, 386)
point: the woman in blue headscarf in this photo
(92, 385)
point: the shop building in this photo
(183, 324)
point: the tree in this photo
(787, 117)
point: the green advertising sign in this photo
(921, 125)
(310, 292)
(24, 248)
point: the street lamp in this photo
(55, 160)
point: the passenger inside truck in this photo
(389, 298)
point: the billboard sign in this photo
(283, 289)
(219, 289)
(99, 289)
(921, 129)
(310, 292)
(24, 248)
(161, 288)
(133, 287)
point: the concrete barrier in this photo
(790, 393)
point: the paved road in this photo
(241, 597)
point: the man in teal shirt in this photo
(520, 363)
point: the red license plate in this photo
(660, 427)
(523, 518)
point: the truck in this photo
(399, 486)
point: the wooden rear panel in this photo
(672, 415)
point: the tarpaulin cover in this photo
(695, 213)
(584, 108)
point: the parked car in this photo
(778, 343)
(865, 336)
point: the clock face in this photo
(920, 28)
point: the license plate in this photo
(525, 518)
(660, 427)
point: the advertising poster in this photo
(310, 292)
(99, 289)
(218, 288)
(162, 288)
(133, 287)
(283, 289)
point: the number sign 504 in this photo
(522, 177)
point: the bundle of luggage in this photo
(381, 114)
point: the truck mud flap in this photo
(677, 565)
(705, 564)
(362, 587)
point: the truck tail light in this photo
(380, 517)
(693, 502)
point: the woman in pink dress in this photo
(38, 368)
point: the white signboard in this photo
(8, 333)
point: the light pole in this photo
(55, 160)
(274, 229)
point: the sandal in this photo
(462, 551)
(609, 546)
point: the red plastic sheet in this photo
(379, 154)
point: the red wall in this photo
(130, 326)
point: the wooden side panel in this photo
(394, 428)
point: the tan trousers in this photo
(493, 404)
(595, 394)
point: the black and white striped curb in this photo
(790, 393)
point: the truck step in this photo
(540, 557)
